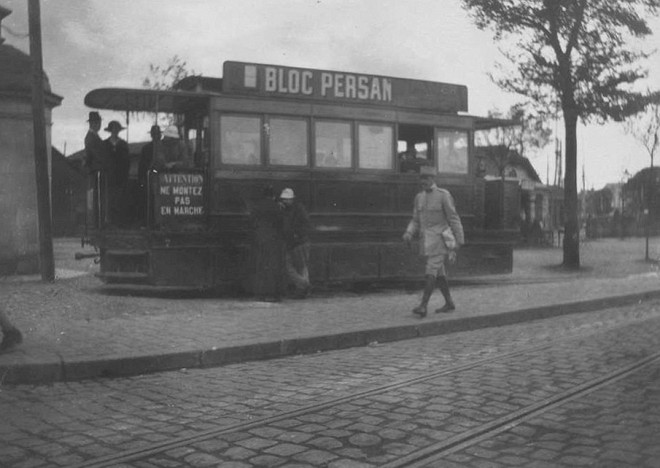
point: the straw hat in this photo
(114, 126)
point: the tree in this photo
(534, 131)
(574, 52)
(500, 141)
(645, 127)
(519, 130)
(528, 130)
(164, 77)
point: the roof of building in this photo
(514, 160)
(16, 74)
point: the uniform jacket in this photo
(433, 212)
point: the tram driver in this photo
(408, 159)
(175, 153)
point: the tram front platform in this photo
(77, 328)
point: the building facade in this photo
(19, 232)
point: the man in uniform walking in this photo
(440, 232)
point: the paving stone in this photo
(202, 460)
(239, 453)
(285, 450)
(315, 457)
(346, 463)
(267, 460)
(211, 445)
(326, 443)
(364, 440)
(256, 443)
(295, 437)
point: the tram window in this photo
(414, 147)
(452, 151)
(241, 140)
(288, 142)
(375, 146)
(334, 145)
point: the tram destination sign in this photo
(180, 197)
(342, 87)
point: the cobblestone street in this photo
(507, 396)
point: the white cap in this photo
(287, 194)
(171, 132)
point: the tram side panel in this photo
(358, 227)
(357, 233)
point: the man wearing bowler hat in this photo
(440, 232)
(95, 162)
(94, 150)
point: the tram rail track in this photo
(435, 452)
(426, 454)
(183, 441)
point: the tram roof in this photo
(145, 100)
(486, 123)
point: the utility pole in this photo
(46, 260)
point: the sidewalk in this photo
(77, 328)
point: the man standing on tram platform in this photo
(118, 168)
(150, 152)
(440, 235)
(95, 162)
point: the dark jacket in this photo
(95, 154)
(146, 162)
(118, 162)
(297, 225)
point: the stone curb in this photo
(58, 371)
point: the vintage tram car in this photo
(348, 144)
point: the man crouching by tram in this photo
(296, 236)
(440, 235)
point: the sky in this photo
(98, 43)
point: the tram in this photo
(342, 141)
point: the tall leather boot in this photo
(429, 286)
(443, 285)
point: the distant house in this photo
(624, 208)
(537, 209)
(602, 202)
(69, 182)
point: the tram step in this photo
(127, 252)
(122, 275)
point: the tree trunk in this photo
(571, 225)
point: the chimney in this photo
(3, 12)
